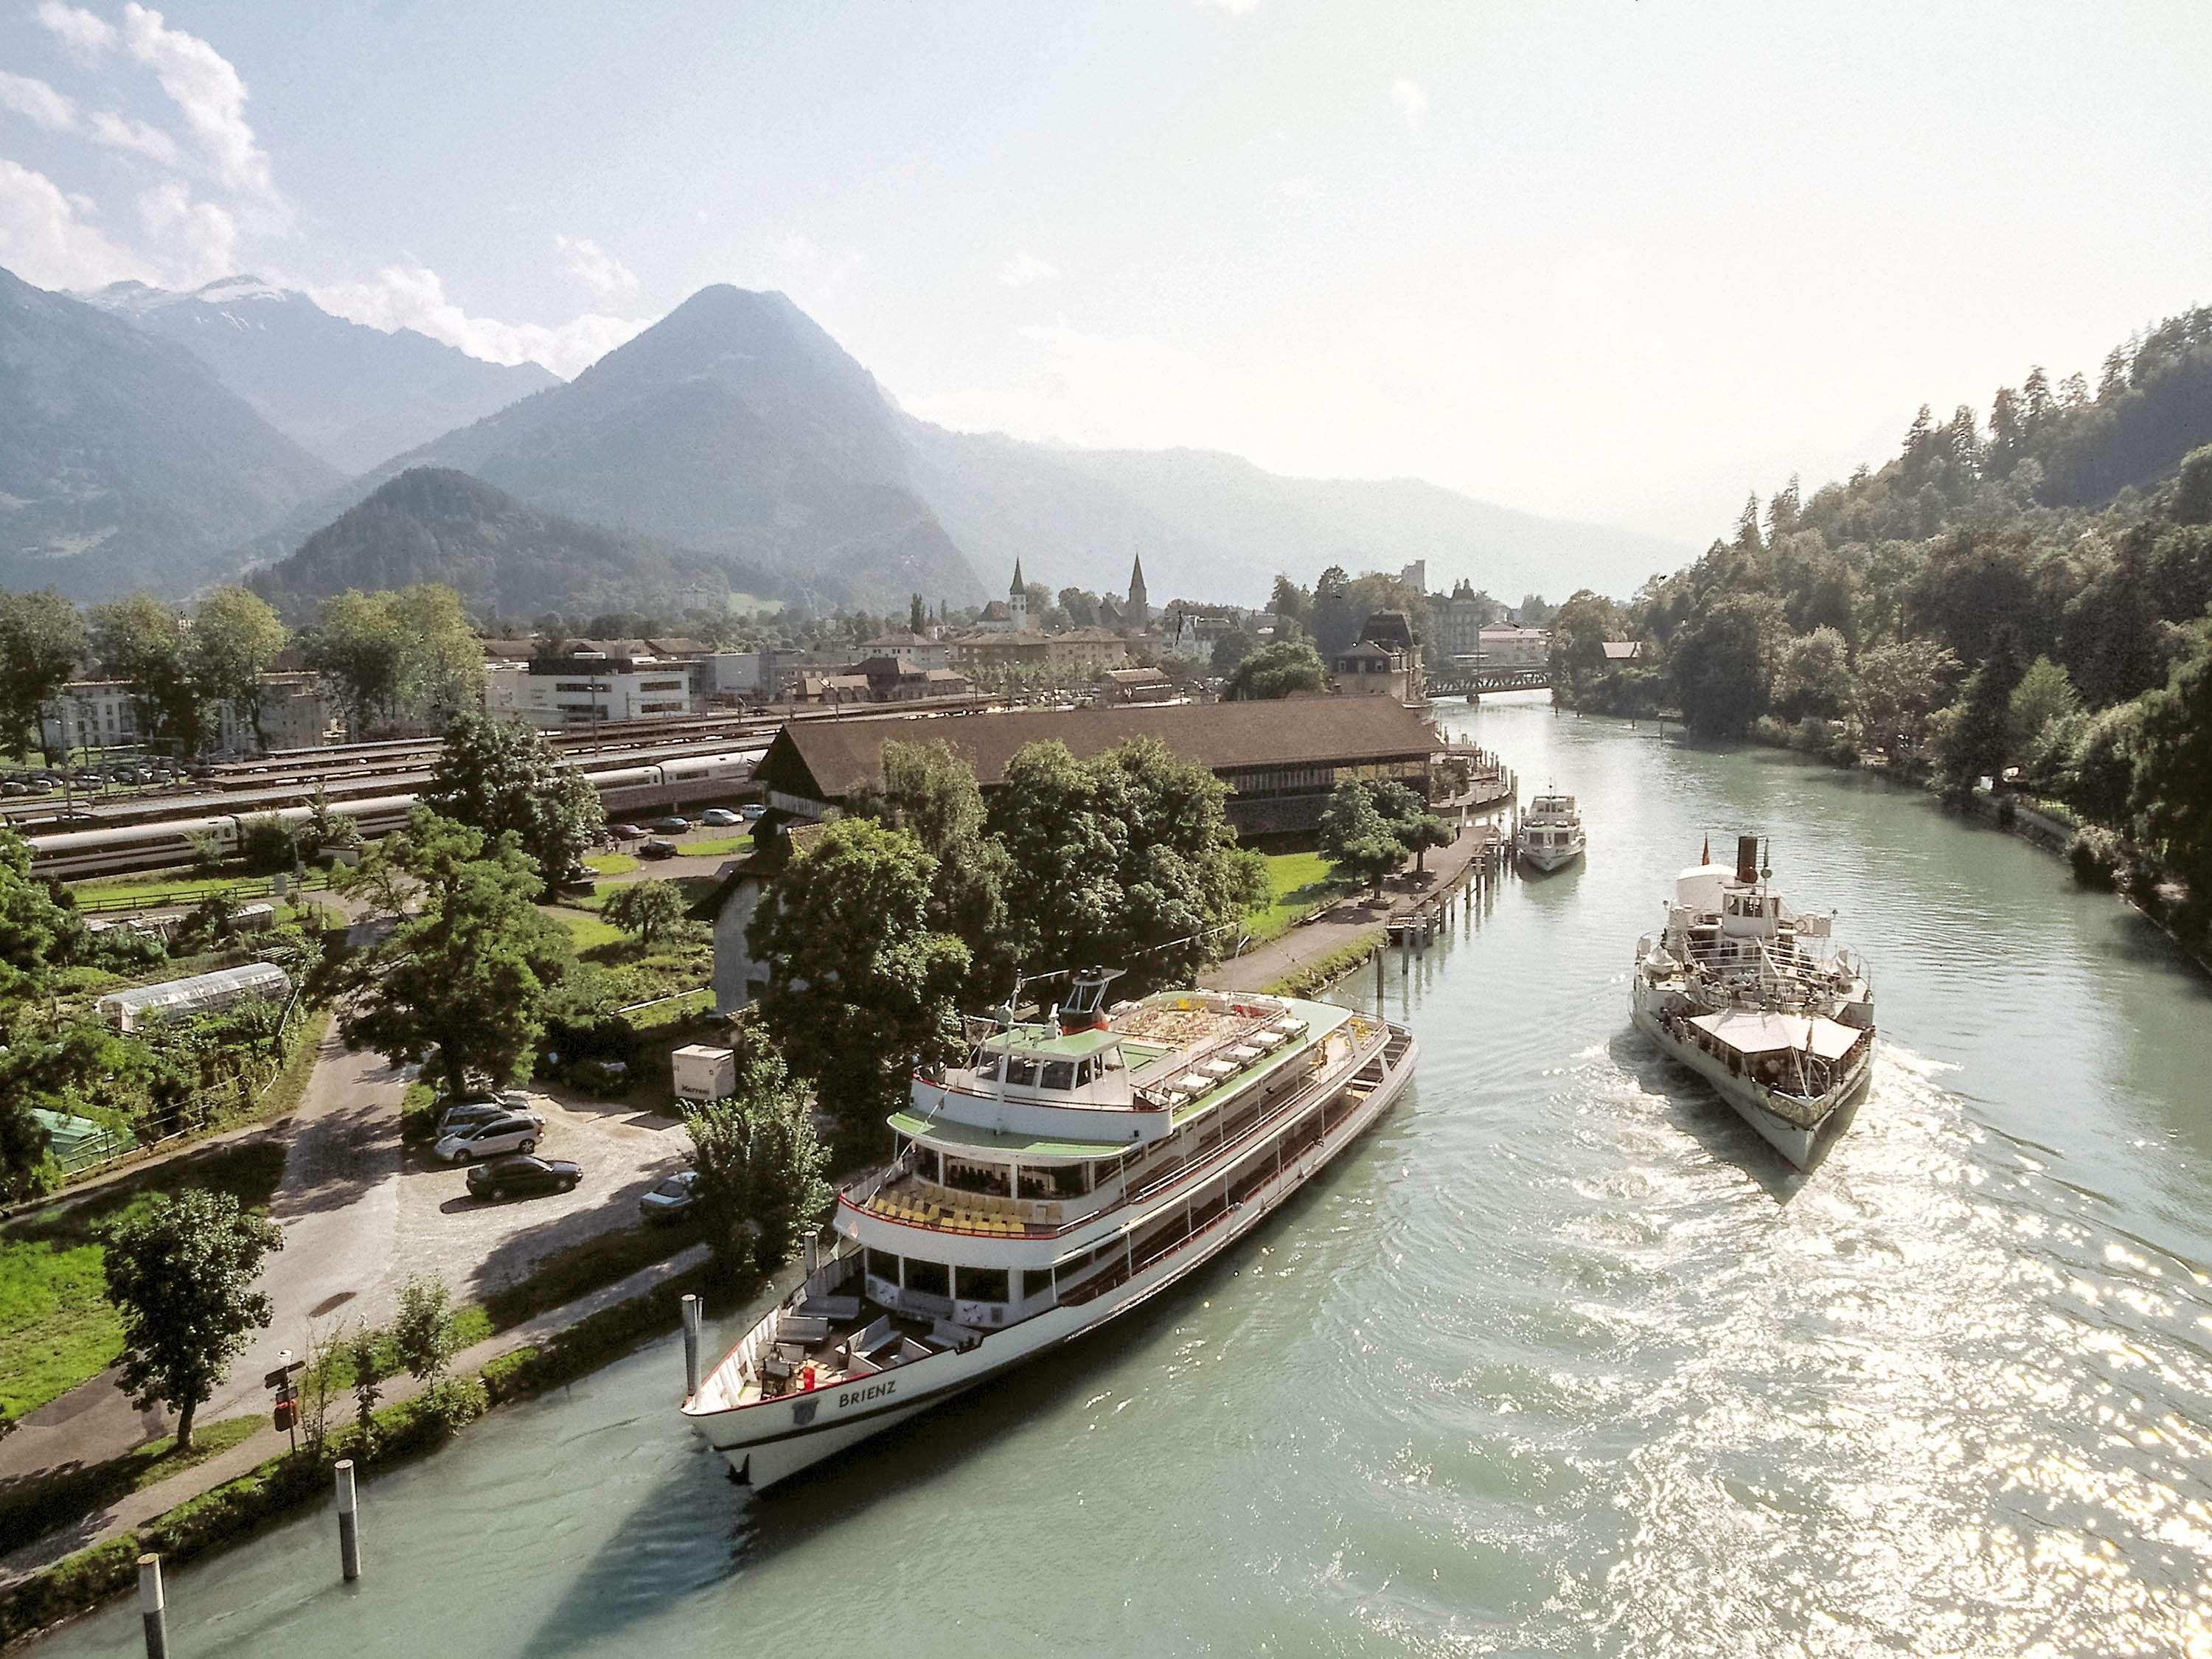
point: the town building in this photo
(297, 712)
(1384, 661)
(1280, 759)
(1125, 686)
(590, 682)
(1077, 653)
(1514, 648)
(1623, 650)
(1458, 619)
(912, 649)
(881, 680)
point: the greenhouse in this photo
(203, 993)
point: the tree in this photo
(42, 640)
(1358, 838)
(1723, 661)
(1898, 687)
(442, 669)
(1126, 859)
(501, 777)
(1813, 676)
(1285, 668)
(235, 638)
(357, 648)
(2173, 768)
(181, 1274)
(460, 977)
(646, 910)
(365, 1356)
(1978, 742)
(1579, 631)
(422, 1330)
(2045, 693)
(930, 793)
(1230, 650)
(917, 619)
(1334, 622)
(142, 640)
(861, 989)
(1425, 832)
(2192, 488)
(761, 1188)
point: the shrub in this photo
(2095, 851)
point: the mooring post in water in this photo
(690, 1345)
(348, 1524)
(1380, 953)
(153, 1611)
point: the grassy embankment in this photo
(57, 1327)
(1298, 883)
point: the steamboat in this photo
(1071, 1168)
(1755, 998)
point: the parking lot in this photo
(479, 1246)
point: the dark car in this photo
(514, 1178)
(656, 850)
(671, 825)
(625, 832)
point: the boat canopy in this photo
(1698, 887)
(1754, 1033)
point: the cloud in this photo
(200, 238)
(1234, 7)
(44, 241)
(124, 133)
(78, 29)
(597, 268)
(1025, 268)
(202, 83)
(820, 271)
(414, 297)
(1412, 103)
(37, 102)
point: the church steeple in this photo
(1139, 614)
(1017, 601)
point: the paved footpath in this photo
(1353, 921)
(139, 1507)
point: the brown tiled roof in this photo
(836, 758)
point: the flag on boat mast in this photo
(1705, 856)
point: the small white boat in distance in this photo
(1070, 1169)
(1550, 833)
(1754, 997)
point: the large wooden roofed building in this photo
(1279, 759)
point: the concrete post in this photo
(813, 1253)
(690, 1345)
(1381, 951)
(348, 1524)
(153, 1610)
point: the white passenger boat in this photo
(1068, 1171)
(1550, 833)
(1755, 998)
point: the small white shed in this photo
(703, 1072)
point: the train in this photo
(73, 855)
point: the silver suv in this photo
(512, 1132)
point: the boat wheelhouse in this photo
(1549, 832)
(1755, 998)
(1066, 1171)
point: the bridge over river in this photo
(1474, 682)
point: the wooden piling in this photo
(153, 1608)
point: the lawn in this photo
(1296, 883)
(150, 887)
(611, 864)
(720, 847)
(587, 932)
(56, 1325)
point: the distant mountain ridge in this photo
(123, 462)
(354, 395)
(433, 525)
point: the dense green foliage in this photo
(2024, 597)
(502, 777)
(647, 910)
(1371, 827)
(1283, 668)
(406, 657)
(760, 1187)
(930, 793)
(182, 1275)
(460, 977)
(41, 639)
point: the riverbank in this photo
(229, 1498)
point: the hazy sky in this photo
(1617, 259)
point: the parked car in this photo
(510, 1132)
(479, 1108)
(579, 879)
(751, 810)
(670, 1201)
(671, 825)
(656, 850)
(720, 817)
(511, 1177)
(625, 832)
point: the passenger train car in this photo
(72, 854)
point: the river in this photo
(1560, 1359)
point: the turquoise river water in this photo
(1560, 1359)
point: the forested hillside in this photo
(2029, 593)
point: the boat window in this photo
(983, 1283)
(971, 1177)
(1020, 1069)
(987, 1066)
(1059, 1074)
(884, 1265)
(1035, 1281)
(930, 1278)
(1066, 1180)
(1085, 1069)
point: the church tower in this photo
(1018, 602)
(1139, 615)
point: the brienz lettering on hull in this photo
(860, 1396)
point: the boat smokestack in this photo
(1746, 860)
